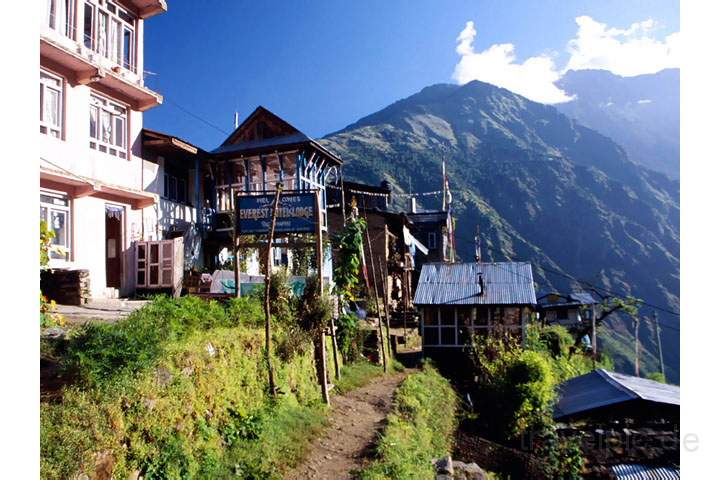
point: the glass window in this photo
(447, 316)
(110, 31)
(431, 316)
(432, 242)
(447, 336)
(89, 24)
(430, 336)
(50, 104)
(55, 212)
(108, 126)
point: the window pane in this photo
(447, 336)
(42, 100)
(89, 19)
(181, 190)
(102, 34)
(447, 316)
(431, 316)
(119, 131)
(105, 126)
(52, 107)
(127, 48)
(114, 41)
(93, 122)
(430, 336)
(43, 214)
(173, 189)
(58, 224)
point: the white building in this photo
(93, 180)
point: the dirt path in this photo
(355, 419)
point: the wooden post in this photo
(383, 280)
(637, 346)
(236, 250)
(659, 343)
(377, 300)
(322, 367)
(268, 271)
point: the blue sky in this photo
(322, 65)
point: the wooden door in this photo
(114, 217)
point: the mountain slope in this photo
(641, 113)
(541, 186)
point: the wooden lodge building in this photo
(395, 251)
(459, 300)
(197, 190)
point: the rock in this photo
(444, 465)
(150, 403)
(211, 349)
(104, 463)
(53, 333)
(134, 475)
(163, 376)
(468, 471)
(82, 476)
(187, 371)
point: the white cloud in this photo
(629, 52)
(534, 78)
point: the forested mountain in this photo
(542, 188)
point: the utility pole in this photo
(594, 337)
(443, 184)
(659, 343)
(637, 345)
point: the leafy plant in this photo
(349, 244)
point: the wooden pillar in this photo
(320, 347)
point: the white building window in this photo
(55, 212)
(110, 31)
(108, 126)
(59, 16)
(51, 104)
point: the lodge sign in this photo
(296, 213)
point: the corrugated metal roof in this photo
(566, 299)
(506, 283)
(601, 388)
(634, 471)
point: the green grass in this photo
(179, 390)
(420, 428)
(356, 375)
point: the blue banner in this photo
(296, 213)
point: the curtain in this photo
(106, 127)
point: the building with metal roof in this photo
(498, 283)
(605, 395)
(634, 471)
(460, 300)
(567, 309)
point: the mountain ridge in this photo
(542, 187)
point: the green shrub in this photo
(420, 428)
(515, 390)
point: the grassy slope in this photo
(420, 428)
(192, 405)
